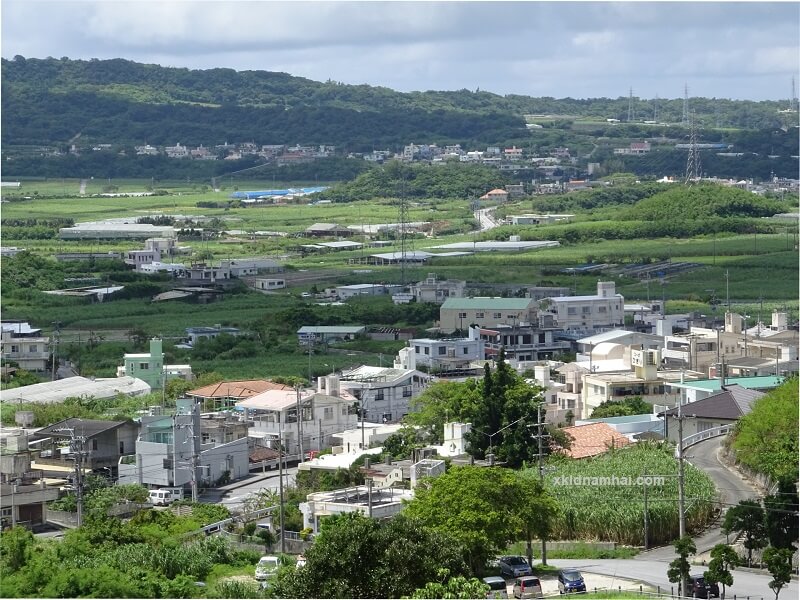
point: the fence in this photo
(659, 593)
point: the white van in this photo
(165, 496)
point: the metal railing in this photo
(707, 434)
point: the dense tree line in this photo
(419, 181)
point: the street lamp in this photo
(491, 435)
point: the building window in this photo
(416, 349)
(479, 315)
(465, 350)
(497, 315)
(572, 310)
(144, 366)
(94, 444)
(407, 392)
(379, 395)
(328, 415)
(34, 348)
(587, 310)
(601, 309)
(462, 315)
(542, 338)
(442, 350)
(14, 349)
(427, 351)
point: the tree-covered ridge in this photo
(155, 84)
(702, 201)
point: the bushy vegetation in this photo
(614, 512)
(766, 439)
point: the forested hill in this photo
(50, 100)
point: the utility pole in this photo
(540, 436)
(77, 444)
(299, 425)
(681, 496)
(56, 335)
(280, 485)
(644, 488)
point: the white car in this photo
(266, 567)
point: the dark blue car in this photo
(570, 580)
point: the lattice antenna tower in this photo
(406, 244)
(693, 159)
(685, 118)
(793, 105)
(655, 109)
(630, 106)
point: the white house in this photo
(436, 290)
(24, 345)
(444, 355)
(384, 393)
(586, 313)
(265, 285)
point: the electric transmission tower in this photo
(685, 118)
(630, 106)
(406, 245)
(655, 109)
(693, 159)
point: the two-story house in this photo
(273, 416)
(171, 451)
(442, 356)
(436, 290)
(24, 345)
(383, 393)
(604, 310)
(150, 367)
(461, 313)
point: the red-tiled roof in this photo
(237, 389)
(593, 439)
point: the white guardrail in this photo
(705, 435)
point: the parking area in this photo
(601, 582)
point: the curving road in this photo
(485, 219)
(654, 572)
(732, 488)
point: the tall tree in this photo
(779, 565)
(780, 514)
(723, 560)
(678, 571)
(747, 517)
(480, 507)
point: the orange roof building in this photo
(226, 393)
(495, 194)
(593, 439)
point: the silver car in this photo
(514, 566)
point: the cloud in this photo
(584, 49)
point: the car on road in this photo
(570, 580)
(527, 587)
(699, 588)
(497, 587)
(266, 567)
(514, 566)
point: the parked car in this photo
(698, 588)
(266, 567)
(527, 587)
(570, 580)
(514, 566)
(165, 496)
(497, 587)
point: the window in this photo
(34, 348)
(328, 414)
(479, 315)
(14, 349)
(407, 392)
(416, 349)
(94, 444)
(542, 338)
(379, 395)
(465, 350)
(427, 351)
(442, 350)
(601, 309)
(587, 310)
(144, 366)
(344, 410)
(462, 315)
(497, 315)
(121, 447)
(572, 310)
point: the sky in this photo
(739, 50)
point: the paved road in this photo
(485, 219)
(732, 489)
(654, 572)
(233, 494)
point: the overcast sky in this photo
(736, 50)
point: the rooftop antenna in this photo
(685, 118)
